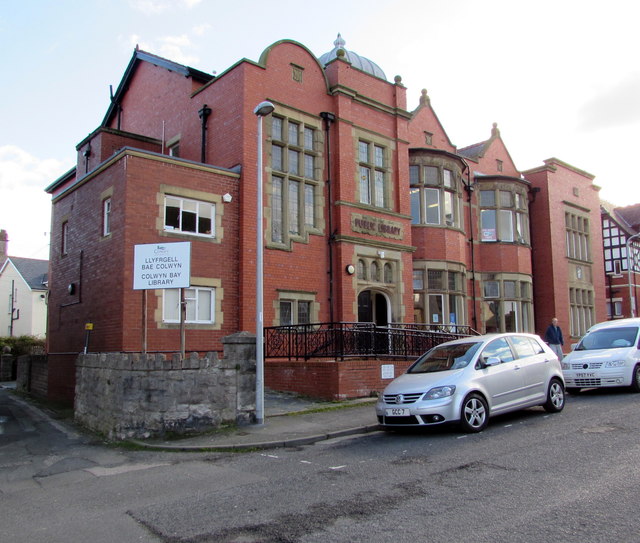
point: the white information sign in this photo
(162, 265)
(387, 371)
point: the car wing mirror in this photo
(490, 361)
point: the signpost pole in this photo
(183, 310)
(144, 321)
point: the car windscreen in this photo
(609, 338)
(445, 357)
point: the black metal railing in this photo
(357, 339)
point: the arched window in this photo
(362, 273)
(375, 271)
(388, 273)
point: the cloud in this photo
(20, 170)
(201, 30)
(614, 107)
(25, 208)
(154, 7)
(174, 48)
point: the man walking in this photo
(553, 337)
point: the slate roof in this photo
(473, 151)
(630, 214)
(34, 272)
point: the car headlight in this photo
(566, 365)
(614, 364)
(440, 392)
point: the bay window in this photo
(503, 216)
(435, 199)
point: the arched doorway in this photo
(373, 307)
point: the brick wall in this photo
(331, 379)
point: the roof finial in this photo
(339, 41)
(424, 99)
(494, 130)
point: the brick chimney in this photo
(4, 246)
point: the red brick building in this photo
(567, 248)
(371, 214)
(620, 233)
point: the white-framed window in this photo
(504, 216)
(374, 174)
(435, 198)
(189, 216)
(200, 305)
(507, 304)
(174, 149)
(441, 300)
(296, 167)
(106, 216)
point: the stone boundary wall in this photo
(6, 367)
(33, 375)
(127, 396)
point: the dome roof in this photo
(362, 63)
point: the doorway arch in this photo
(374, 306)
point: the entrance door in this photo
(373, 307)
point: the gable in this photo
(492, 156)
(426, 130)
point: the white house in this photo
(23, 297)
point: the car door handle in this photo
(516, 368)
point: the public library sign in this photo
(376, 226)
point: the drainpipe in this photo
(204, 115)
(328, 119)
(469, 188)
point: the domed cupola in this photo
(357, 61)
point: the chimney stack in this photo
(4, 245)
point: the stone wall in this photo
(137, 396)
(7, 362)
(32, 375)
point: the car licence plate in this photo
(397, 412)
(585, 375)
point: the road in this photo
(529, 477)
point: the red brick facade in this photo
(352, 184)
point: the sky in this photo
(561, 78)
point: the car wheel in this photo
(574, 390)
(555, 397)
(635, 380)
(474, 416)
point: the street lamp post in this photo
(262, 110)
(630, 262)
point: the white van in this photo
(606, 356)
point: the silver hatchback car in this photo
(470, 379)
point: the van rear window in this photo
(609, 338)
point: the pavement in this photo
(290, 421)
